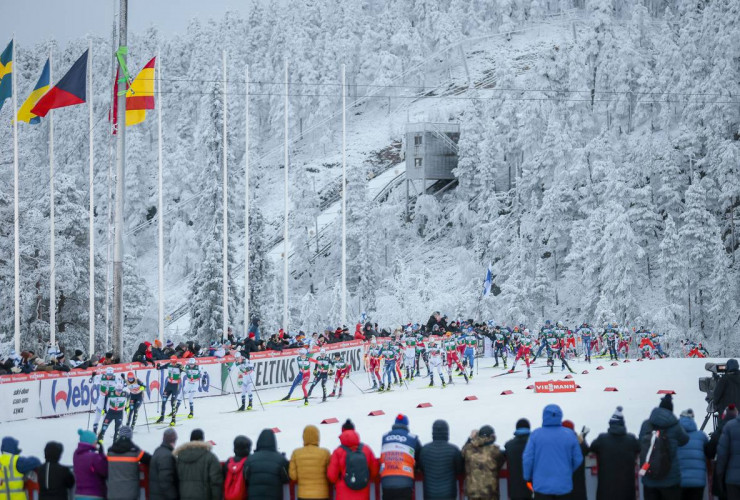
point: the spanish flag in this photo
(42, 86)
(69, 91)
(139, 96)
(6, 74)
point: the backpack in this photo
(656, 455)
(356, 470)
(235, 488)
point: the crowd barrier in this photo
(51, 394)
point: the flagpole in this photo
(343, 317)
(16, 223)
(91, 305)
(110, 194)
(52, 257)
(285, 221)
(246, 203)
(120, 177)
(225, 242)
(160, 202)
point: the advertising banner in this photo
(20, 401)
(551, 386)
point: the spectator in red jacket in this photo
(358, 332)
(335, 472)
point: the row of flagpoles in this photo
(76, 87)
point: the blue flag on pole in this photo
(488, 281)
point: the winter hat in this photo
(522, 423)
(88, 437)
(569, 424)
(666, 402)
(688, 413)
(486, 431)
(53, 451)
(158, 343)
(169, 343)
(242, 446)
(125, 432)
(348, 426)
(617, 417)
(10, 445)
(251, 335)
(170, 437)
(730, 411)
(402, 419)
(78, 352)
(197, 435)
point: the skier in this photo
(373, 353)
(409, 356)
(624, 344)
(341, 370)
(471, 342)
(658, 348)
(321, 372)
(559, 350)
(135, 389)
(106, 383)
(610, 334)
(304, 374)
(460, 347)
(244, 380)
(388, 355)
(435, 361)
(499, 345)
(116, 405)
(545, 332)
(192, 382)
(698, 351)
(171, 388)
(523, 349)
(586, 335)
(450, 347)
(421, 353)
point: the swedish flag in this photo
(6, 74)
(24, 113)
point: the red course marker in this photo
(599, 367)
(569, 376)
(506, 392)
(275, 430)
(584, 372)
(424, 405)
(626, 361)
(470, 398)
(615, 364)
(666, 391)
(331, 420)
(376, 413)
(529, 387)
(610, 389)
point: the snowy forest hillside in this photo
(598, 169)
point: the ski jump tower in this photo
(431, 155)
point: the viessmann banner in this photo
(46, 394)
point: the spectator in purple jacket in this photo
(90, 468)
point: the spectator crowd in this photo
(546, 463)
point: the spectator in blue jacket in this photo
(692, 459)
(662, 419)
(728, 457)
(551, 456)
(399, 460)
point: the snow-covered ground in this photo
(637, 384)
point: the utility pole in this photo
(120, 177)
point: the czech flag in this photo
(70, 90)
(6, 74)
(139, 96)
(42, 86)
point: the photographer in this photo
(728, 387)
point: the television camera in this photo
(707, 385)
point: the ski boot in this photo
(381, 388)
(471, 375)
(512, 370)
(466, 378)
(190, 415)
(528, 374)
(160, 420)
(496, 365)
(95, 428)
(241, 408)
(339, 394)
(431, 384)
(375, 386)
(332, 394)
(443, 384)
(305, 401)
(450, 379)
(172, 423)
(286, 398)
(249, 406)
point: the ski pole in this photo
(257, 393)
(233, 389)
(146, 416)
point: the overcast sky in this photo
(34, 21)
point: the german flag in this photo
(139, 96)
(6, 74)
(42, 86)
(69, 91)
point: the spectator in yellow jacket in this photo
(308, 467)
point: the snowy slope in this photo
(637, 384)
